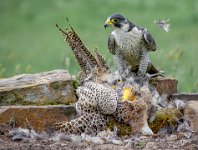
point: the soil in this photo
(182, 140)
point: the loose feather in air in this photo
(163, 24)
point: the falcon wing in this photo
(112, 44)
(149, 41)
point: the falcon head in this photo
(118, 21)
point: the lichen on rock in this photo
(53, 87)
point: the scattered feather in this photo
(19, 134)
(97, 140)
(184, 127)
(116, 142)
(23, 134)
(179, 104)
(163, 24)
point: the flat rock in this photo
(165, 85)
(191, 114)
(53, 87)
(40, 118)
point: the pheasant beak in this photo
(108, 23)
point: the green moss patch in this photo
(164, 118)
(123, 129)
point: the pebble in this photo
(19, 138)
(60, 137)
(173, 137)
(86, 137)
(106, 134)
(88, 148)
(127, 141)
(20, 134)
(97, 140)
(20, 131)
(76, 138)
(116, 142)
(184, 142)
(187, 135)
(179, 104)
(151, 145)
(129, 145)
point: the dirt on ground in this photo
(181, 140)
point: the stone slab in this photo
(53, 87)
(40, 118)
(165, 85)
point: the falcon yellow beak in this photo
(108, 23)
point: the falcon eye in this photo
(114, 20)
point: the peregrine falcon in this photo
(130, 45)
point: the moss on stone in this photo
(75, 84)
(17, 99)
(164, 118)
(123, 129)
(56, 85)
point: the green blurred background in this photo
(30, 42)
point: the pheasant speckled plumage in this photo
(89, 123)
(95, 102)
(130, 45)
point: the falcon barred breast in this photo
(130, 45)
